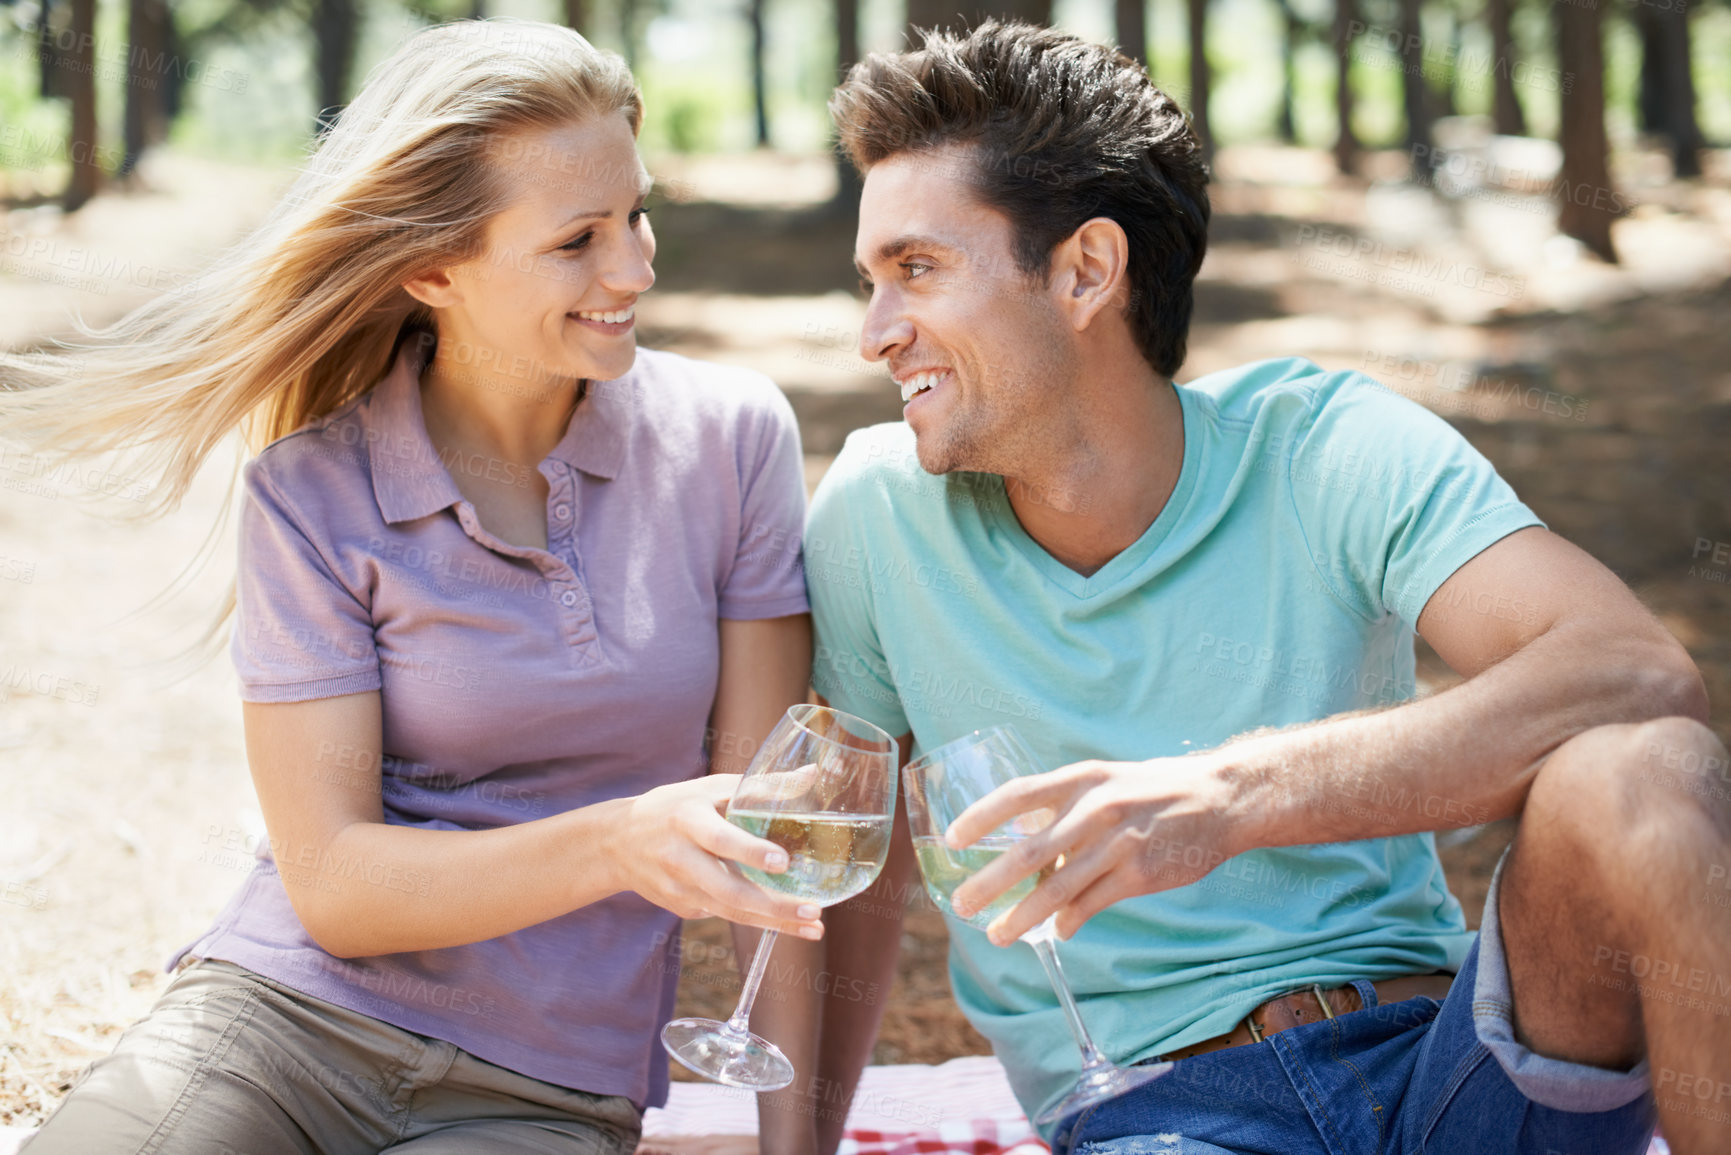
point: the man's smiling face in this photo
(978, 348)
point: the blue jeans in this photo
(1409, 1077)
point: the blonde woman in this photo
(499, 571)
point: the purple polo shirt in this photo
(516, 683)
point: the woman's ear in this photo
(435, 289)
(1095, 265)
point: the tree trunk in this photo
(477, 9)
(1650, 90)
(174, 81)
(759, 96)
(336, 28)
(1198, 23)
(80, 81)
(1131, 17)
(1286, 123)
(50, 77)
(576, 17)
(1506, 115)
(1586, 202)
(847, 54)
(628, 32)
(148, 63)
(1346, 26)
(1443, 100)
(1415, 91)
(1667, 91)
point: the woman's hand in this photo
(671, 849)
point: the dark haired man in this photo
(1197, 601)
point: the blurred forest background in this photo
(246, 79)
(1514, 212)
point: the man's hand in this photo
(1122, 829)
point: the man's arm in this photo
(861, 941)
(840, 999)
(765, 667)
(1551, 644)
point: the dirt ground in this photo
(126, 816)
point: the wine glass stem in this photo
(739, 1023)
(1047, 948)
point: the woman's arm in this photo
(362, 887)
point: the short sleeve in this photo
(299, 633)
(1392, 499)
(848, 665)
(766, 578)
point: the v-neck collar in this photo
(1002, 517)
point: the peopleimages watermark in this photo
(18, 678)
(1457, 388)
(1717, 553)
(128, 63)
(1357, 251)
(44, 258)
(921, 689)
(22, 148)
(309, 865)
(1308, 677)
(1459, 174)
(1447, 61)
(779, 974)
(16, 893)
(899, 469)
(1669, 981)
(1686, 769)
(41, 476)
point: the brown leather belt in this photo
(1312, 1005)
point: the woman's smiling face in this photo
(555, 286)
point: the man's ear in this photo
(1092, 268)
(434, 288)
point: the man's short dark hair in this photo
(1062, 131)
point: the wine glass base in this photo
(1107, 1083)
(736, 1059)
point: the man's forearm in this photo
(788, 1011)
(1459, 758)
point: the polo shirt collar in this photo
(595, 440)
(411, 482)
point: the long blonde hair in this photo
(305, 314)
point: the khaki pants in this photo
(231, 1063)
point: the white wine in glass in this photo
(943, 782)
(823, 788)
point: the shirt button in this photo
(568, 598)
(561, 511)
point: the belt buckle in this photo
(1255, 1028)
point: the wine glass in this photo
(942, 783)
(823, 788)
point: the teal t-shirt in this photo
(1314, 516)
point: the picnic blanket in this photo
(962, 1107)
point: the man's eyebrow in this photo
(890, 250)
